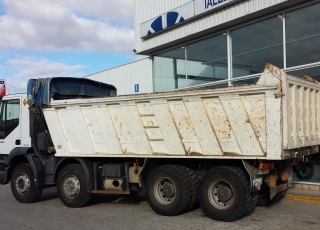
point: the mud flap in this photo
(271, 181)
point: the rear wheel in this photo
(22, 185)
(195, 188)
(304, 171)
(224, 193)
(169, 190)
(253, 203)
(72, 186)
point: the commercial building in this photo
(131, 78)
(224, 41)
(220, 42)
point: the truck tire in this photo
(169, 190)
(72, 186)
(305, 171)
(22, 185)
(195, 188)
(253, 204)
(224, 193)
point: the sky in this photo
(70, 38)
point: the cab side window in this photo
(9, 117)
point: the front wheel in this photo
(22, 185)
(224, 193)
(72, 186)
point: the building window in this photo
(303, 36)
(255, 45)
(207, 60)
(169, 70)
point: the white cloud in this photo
(120, 11)
(77, 25)
(15, 86)
(41, 68)
(26, 68)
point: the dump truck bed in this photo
(274, 119)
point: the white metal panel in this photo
(255, 108)
(274, 131)
(135, 128)
(68, 131)
(241, 127)
(125, 77)
(101, 129)
(78, 129)
(185, 127)
(121, 127)
(56, 130)
(296, 104)
(263, 121)
(148, 9)
(171, 137)
(221, 125)
(198, 117)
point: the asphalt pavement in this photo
(115, 212)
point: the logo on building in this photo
(2, 88)
(172, 18)
(156, 25)
(180, 14)
(167, 19)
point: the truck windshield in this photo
(9, 117)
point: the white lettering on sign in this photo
(202, 6)
(212, 3)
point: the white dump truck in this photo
(224, 149)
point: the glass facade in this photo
(303, 35)
(255, 45)
(207, 60)
(168, 68)
(286, 40)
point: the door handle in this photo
(18, 142)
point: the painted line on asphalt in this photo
(303, 199)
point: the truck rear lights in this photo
(266, 166)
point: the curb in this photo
(303, 199)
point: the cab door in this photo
(9, 125)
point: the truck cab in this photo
(14, 124)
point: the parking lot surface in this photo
(114, 212)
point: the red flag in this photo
(2, 88)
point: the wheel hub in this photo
(220, 194)
(168, 190)
(305, 171)
(164, 190)
(72, 186)
(224, 193)
(23, 184)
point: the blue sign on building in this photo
(180, 14)
(136, 88)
